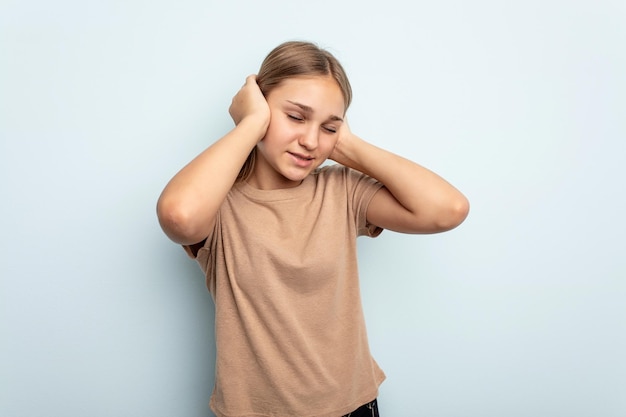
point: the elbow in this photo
(461, 210)
(176, 221)
(454, 214)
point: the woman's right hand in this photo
(249, 102)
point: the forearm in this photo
(188, 204)
(435, 204)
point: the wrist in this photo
(346, 150)
(255, 125)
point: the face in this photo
(306, 114)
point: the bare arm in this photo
(413, 199)
(187, 206)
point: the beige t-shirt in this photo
(281, 266)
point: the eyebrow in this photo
(309, 110)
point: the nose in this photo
(309, 138)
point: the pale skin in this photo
(299, 125)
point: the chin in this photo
(297, 176)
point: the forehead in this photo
(321, 93)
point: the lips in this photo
(301, 156)
(301, 160)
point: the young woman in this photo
(275, 235)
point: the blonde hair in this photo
(296, 59)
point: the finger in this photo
(250, 79)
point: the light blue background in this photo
(521, 104)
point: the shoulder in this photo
(338, 180)
(349, 178)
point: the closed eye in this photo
(329, 129)
(295, 117)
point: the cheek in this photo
(328, 144)
(272, 135)
(278, 129)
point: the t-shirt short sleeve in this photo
(204, 252)
(362, 189)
